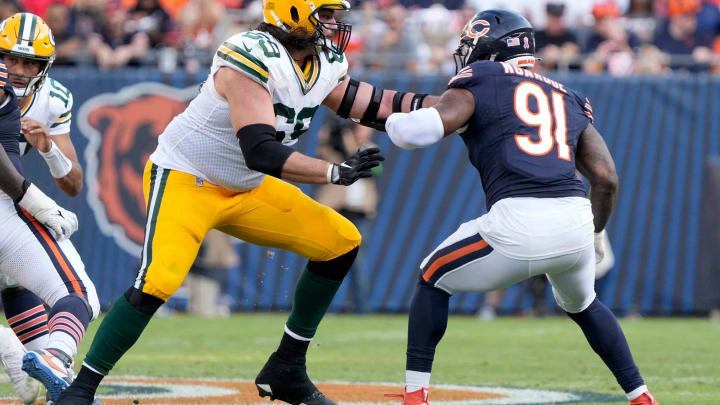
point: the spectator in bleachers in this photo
(152, 19)
(8, 8)
(679, 37)
(556, 45)
(86, 17)
(709, 17)
(198, 20)
(68, 45)
(610, 46)
(118, 44)
(640, 19)
(397, 47)
(37, 7)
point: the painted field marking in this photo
(156, 391)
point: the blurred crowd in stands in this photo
(620, 37)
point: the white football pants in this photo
(466, 262)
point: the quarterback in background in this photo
(527, 136)
(58, 275)
(221, 164)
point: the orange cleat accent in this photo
(419, 397)
(645, 399)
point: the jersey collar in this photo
(306, 85)
(25, 109)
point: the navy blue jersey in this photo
(10, 127)
(524, 132)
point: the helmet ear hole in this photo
(294, 14)
(497, 19)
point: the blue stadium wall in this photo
(660, 130)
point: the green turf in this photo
(679, 358)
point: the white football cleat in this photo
(11, 356)
(53, 370)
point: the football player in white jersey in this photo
(48, 267)
(221, 164)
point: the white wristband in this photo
(58, 163)
(330, 173)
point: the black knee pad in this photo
(334, 269)
(143, 302)
(424, 284)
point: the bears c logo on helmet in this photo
(473, 32)
(122, 129)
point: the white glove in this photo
(599, 248)
(61, 222)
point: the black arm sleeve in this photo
(262, 152)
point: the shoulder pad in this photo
(250, 53)
(474, 74)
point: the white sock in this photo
(38, 343)
(63, 342)
(636, 392)
(415, 380)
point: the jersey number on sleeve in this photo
(543, 120)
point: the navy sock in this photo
(26, 315)
(603, 332)
(69, 318)
(427, 324)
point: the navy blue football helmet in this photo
(497, 35)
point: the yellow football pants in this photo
(181, 210)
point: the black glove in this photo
(356, 166)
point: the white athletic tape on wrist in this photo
(417, 129)
(35, 201)
(58, 163)
(330, 173)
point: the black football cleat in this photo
(289, 382)
(73, 395)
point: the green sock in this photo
(313, 295)
(120, 329)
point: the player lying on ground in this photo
(219, 164)
(51, 270)
(526, 135)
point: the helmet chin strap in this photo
(23, 91)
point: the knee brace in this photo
(143, 302)
(334, 269)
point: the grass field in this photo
(679, 358)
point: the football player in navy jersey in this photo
(35, 252)
(13, 185)
(528, 136)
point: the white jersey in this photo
(50, 105)
(201, 140)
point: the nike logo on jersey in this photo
(248, 50)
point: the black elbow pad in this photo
(262, 152)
